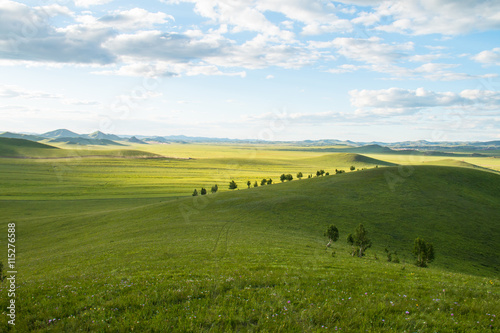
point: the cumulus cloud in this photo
(394, 101)
(446, 17)
(167, 69)
(25, 34)
(89, 3)
(158, 45)
(240, 15)
(133, 19)
(370, 50)
(316, 16)
(489, 57)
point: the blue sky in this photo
(258, 69)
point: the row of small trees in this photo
(203, 190)
(264, 181)
(359, 241)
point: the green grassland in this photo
(113, 244)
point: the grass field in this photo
(113, 244)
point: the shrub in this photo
(359, 241)
(423, 251)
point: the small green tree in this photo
(195, 193)
(300, 175)
(203, 191)
(215, 188)
(249, 183)
(269, 181)
(255, 184)
(390, 253)
(333, 235)
(359, 241)
(289, 177)
(352, 168)
(263, 182)
(423, 251)
(232, 185)
(283, 178)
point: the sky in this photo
(361, 70)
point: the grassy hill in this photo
(21, 136)
(381, 150)
(345, 160)
(86, 141)
(254, 259)
(460, 164)
(20, 147)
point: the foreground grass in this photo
(306, 292)
(147, 269)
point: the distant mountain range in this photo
(100, 138)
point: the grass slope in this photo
(85, 141)
(460, 164)
(12, 147)
(254, 260)
(346, 160)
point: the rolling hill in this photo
(346, 160)
(457, 209)
(21, 148)
(86, 142)
(255, 259)
(21, 136)
(10, 147)
(133, 139)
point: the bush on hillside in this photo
(359, 241)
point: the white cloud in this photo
(158, 45)
(370, 50)
(489, 57)
(133, 19)
(426, 57)
(167, 69)
(446, 17)
(317, 17)
(25, 34)
(395, 101)
(89, 3)
(240, 15)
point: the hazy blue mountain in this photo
(61, 133)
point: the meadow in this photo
(113, 241)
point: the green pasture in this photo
(118, 244)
